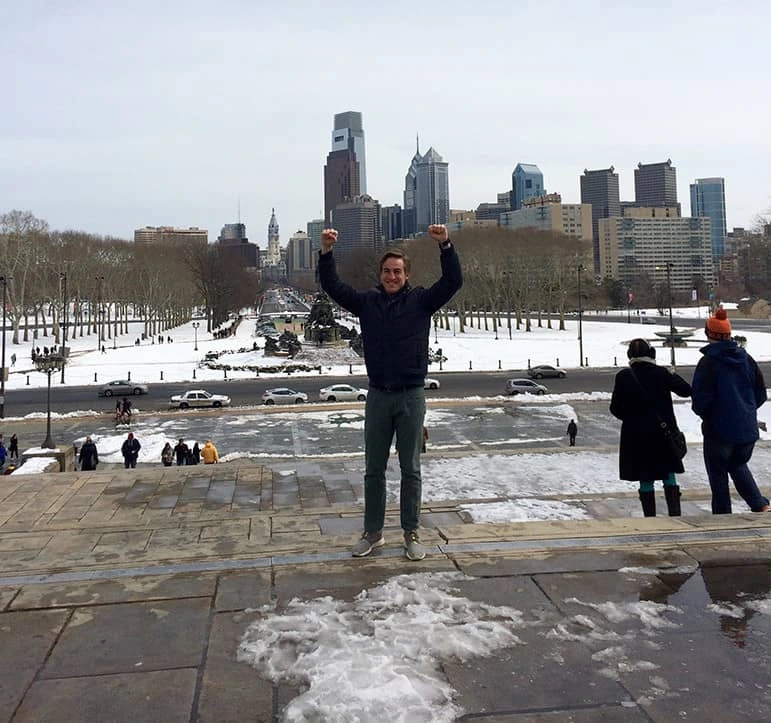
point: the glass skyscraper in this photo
(527, 182)
(708, 199)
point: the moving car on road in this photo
(198, 398)
(546, 370)
(524, 386)
(121, 387)
(430, 383)
(342, 393)
(283, 395)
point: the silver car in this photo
(524, 386)
(198, 398)
(342, 393)
(122, 387)
(431, 383)
(283, 395)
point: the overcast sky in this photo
(120, 115)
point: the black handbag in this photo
(674, 438)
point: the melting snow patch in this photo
(378, 657)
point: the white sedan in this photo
(431, 383)
(342, 393)
(283, 395)
(198, 398)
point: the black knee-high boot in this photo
(648, 501)
(673, 500)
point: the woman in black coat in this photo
(88, 457)
(641, 395)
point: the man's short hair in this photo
(395, 254)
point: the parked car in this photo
(649, 320)
(342, 393)
(431, 383)
(283, 395)
(524, 386)
(121, 387)
(198, 398)
(546, 370)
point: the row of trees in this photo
(102, 282)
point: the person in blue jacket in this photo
(395, 321)
(728, 387)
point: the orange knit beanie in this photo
(718, 327)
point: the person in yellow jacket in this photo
(209, 453)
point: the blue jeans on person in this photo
(399, 412)
(723, 459)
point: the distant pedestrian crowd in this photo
(88, 455)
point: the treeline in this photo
(107, 281)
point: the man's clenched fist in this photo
(438, 232)
(328, 238)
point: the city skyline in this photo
(113, 124)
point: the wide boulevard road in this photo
(19, 403)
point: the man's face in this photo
(392, 275)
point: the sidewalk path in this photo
(124, 595)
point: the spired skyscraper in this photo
(708, 199)
(426, 192)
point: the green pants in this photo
(669, 481)
(401, 412)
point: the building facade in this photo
(341, 180)
(299, 253)
(348, 135)
(391, 222)
(314, 229)
(708, 199)
(655, 184)
(234, 242)
(172, 236)
(548, 213)
(358, 226)
(600, 189)
(645, 242)
(526, 182)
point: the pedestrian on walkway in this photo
(196, 454)
(167, 455)
(130, 451)
(180, 451)
(3, 454)
(728, 388)
(395, 321)
(13, 448)
(642, 398)
(572, 432)
(88, 457)
(209, 453)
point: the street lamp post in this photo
(196, 324)
(63, 277)
(436, 335)
(580, 315)
(49, 364)
(671, 325)
(4, 281)
(628, 306)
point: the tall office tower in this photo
(426, 192)
(526, 182)
(432, 198)
(708, 199)
(341, 180)
(348, 135)
(274, 248)
(235, 244)
(600, 188)
(358, 224)
(299, 255)
(313, 229)
(655, 184)
(391, 218)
